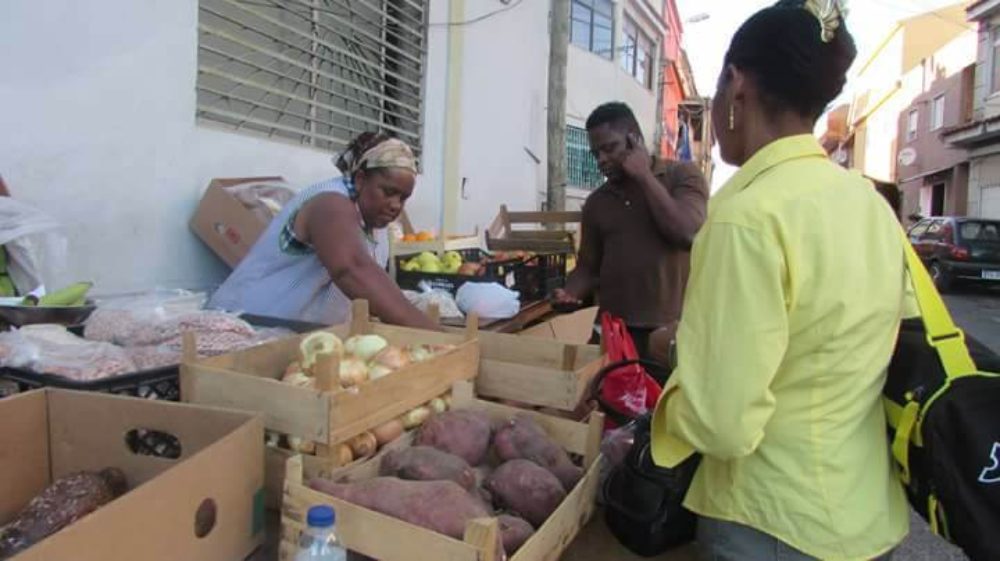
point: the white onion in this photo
(353, 371)
(365, 347)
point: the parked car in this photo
(958, 249)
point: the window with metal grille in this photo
(581, 166)
(313, 72)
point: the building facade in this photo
(980, 135)
(890, 79)
(139, 105)
(932, 173)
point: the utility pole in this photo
(558, 53)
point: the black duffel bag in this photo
(644, 502)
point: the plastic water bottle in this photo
(318, 541)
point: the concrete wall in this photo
(99, 129)
(504, 93)
(987, 105)
(932, 153)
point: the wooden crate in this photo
(503, 233)
(389, 539)
(535, 371)
(327, 415)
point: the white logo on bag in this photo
(991, 473)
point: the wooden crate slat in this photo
(534, 385)
(289, 409)
(370, 533)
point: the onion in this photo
(420, 353)
(416, 417)
(365, 347)
(353, 371)
(300, 380)
(318, 343)
(343, 454)
(388, 432)
(363, 445)
(393, 358)
(377, 371)
(438, 405)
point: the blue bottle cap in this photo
(321, 516)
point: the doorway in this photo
(937, 200)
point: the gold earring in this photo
(732, 118)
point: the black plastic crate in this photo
(501, 272)
(540, 275)
(160, 383)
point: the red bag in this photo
(624, 389)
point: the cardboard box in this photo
(575, 328)
(225, 224)
(215, 485)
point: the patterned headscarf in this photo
(376, 153)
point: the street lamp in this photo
(698, 18)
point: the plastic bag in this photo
(263, 199)
(35, 242)
(447, 307)
(489, 300)
(69, 356)
(626, 391)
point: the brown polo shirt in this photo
(641, 273)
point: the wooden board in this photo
(536, 371)
(389, 539)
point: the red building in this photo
(682, 127)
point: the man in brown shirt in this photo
(637, 229)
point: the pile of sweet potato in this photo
(464, 466)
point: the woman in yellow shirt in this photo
(794, 301)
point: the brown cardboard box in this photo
(575, 328)
(50, 433)
(225, 224)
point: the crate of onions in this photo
(319, 391)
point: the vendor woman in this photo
(329, 245)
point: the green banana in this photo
(7, 287)
(71, 296)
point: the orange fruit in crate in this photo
(410, 238)
(425, 237)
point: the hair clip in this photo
(829, 14)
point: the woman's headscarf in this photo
(375, 151)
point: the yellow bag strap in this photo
(942, 333)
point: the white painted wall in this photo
(504, 91)
(99, 129)
(592, 80)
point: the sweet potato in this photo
(62, 503)
(465, 434)
(514, 532)
(441, 506)
(525, 488)
(522, 438)
(423, 463)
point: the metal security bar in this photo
(581, 167)
(313, 72)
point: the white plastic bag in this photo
(35, 242)
(489, 300)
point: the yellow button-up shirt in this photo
(789, 323)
